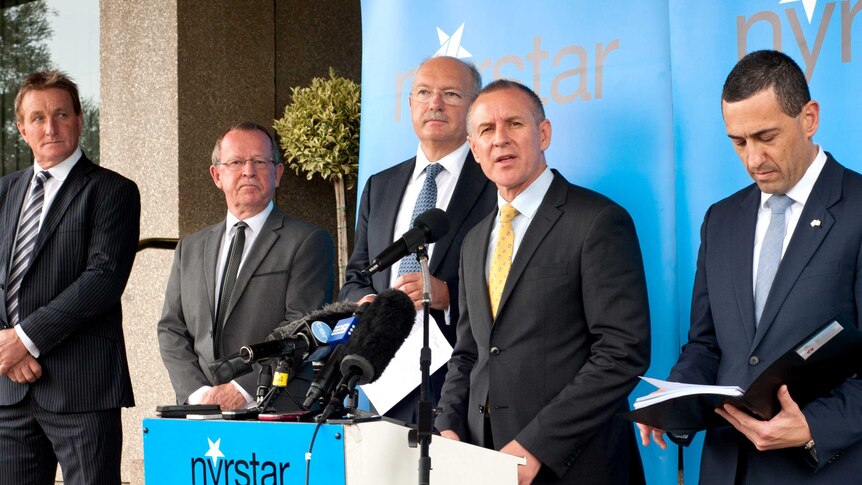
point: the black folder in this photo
(811, 369)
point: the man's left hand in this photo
(788, 429)
(226, 395)
(12, 350)
(526, 473)
(411, 284)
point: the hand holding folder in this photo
(810, 369)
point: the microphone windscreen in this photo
(330, 314)
(384, 326)
(435, 223)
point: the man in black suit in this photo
(750, 305)
(441, 92)
(554, 327)
(69, 234)
(284, 270)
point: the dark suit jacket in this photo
(474, 197)
(820, 276)
(70, 296)
(287, 273)
(570, 338)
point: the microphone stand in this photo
(422, 435)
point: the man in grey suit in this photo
(777, 260)
(68, 240)
(233, 282)
(441, 92)
(554, 326)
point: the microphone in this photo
(293, 345)
(232, 366)
(428, 227)
(229, 368)
(384, 328)
(330, 374)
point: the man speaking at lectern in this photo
(232, 283)
(554, 326)
(777, 260)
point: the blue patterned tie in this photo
(28, 229)
(427, 200)
(770, 251)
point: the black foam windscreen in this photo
(384, 327)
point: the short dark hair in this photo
(247, 126)
(42, 80)
(766, 69)
(503, 84)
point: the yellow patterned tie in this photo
(502, 260)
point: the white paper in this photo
(402, 375)
(670, 390)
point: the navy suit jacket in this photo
(820, 276)
(69, 303)
(474, 197)
(570, 338)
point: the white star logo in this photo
(214, 452)
(451, 45)
(807, 4)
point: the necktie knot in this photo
(240, 226)
(433, 170)
(779, 203)
(507, 213)
(42, 177)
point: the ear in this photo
(810, 118)
(545, 134)
(216, 175)
(279, 171)
(22, 130)
(473, 147)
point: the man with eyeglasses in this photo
(442, 90)
(233, 282)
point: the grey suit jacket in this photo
(570, 338)
(69, 303)
(820, 276)
(287, 273)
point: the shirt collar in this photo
(60, 171)
(528, 201)
(255, 222)
(802, 190)
(453, 162)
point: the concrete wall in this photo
(174, 74)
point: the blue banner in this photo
(632, 90)
(179, 451)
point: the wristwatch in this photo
(809, 447)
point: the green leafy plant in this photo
(320, 135)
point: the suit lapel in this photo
(262, 244)
(476, 255)
(804, 242)
(212, 246)
(78, 178)
(742, 236)
(393, 192)
(19, 183)
(547, 215)
(469, 187)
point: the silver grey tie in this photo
(770, 251)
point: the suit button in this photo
(482, 409)
(754, 360)
(494, 351)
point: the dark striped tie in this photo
(28, 229)
(234, 256)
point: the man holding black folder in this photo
(777, 259)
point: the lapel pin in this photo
(815, 223)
